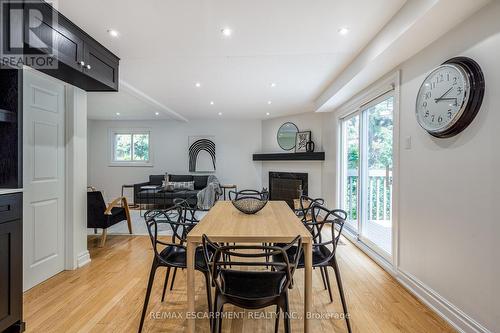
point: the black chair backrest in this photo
(174, 217)
(95, 208)
(260, 195)
(324, 218)
(306, 204)
(216, 257)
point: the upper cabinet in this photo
(82, 61)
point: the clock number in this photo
(428, 95)
(424, 104)
(440, 119)
(449, 114)
(432, 118)
(455, 81)
(459, 90)
(426, 114)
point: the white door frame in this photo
(75, 251)
(355, 105)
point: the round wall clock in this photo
(450, 97)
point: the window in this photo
(367, 163)
(130, 147)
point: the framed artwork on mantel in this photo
(301, 140)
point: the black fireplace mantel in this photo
(316, 156)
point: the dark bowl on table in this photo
(249, 205)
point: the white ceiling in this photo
(166, 46)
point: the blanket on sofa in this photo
(208, 196)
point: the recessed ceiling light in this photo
(268, 114)
(226, 32)
(269, 102)
(273, 85)
(343, 31)
(113, 33)
(197, 84)
(118, 113)
(157, 113)
(212, 103)
(220, 113)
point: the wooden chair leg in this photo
(165, 284)
(148, 293)
(127, 213)
(341, 291)
(103, 237)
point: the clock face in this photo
(442, 98)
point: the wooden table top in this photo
(276, 222)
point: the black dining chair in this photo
(324, 251)
(171, 254)
(305, 206)
(189, 215)
(257, 284)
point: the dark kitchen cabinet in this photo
(11, 262)
(52, 34)
(81, 60)
(101, 65)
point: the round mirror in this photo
(286, 136)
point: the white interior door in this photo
(43, 177)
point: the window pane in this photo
(123, 147)
(141, 147)
(351, 180)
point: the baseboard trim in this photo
(83, 259)
(446, 310)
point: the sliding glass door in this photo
(367, 160)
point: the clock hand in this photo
(446, 99)
(440, 98)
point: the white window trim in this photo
(355, 104)
(111, 147)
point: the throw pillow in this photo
(187, 186)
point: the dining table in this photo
(275, 223)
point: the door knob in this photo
(89, 67)
(81, 63)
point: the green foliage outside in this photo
(124, 149)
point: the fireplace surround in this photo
(287, 186)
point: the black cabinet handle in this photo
(4, 208)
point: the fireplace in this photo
(287, 186)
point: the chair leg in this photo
(220, 317)
(148, 293)
(103, 237)
(209, 292)
(277, 321)
(286, 314)
(173, 279)
(323, 277)
(95, 230)
(165, 284)
(328, 284)
(341, 291)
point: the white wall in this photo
(449, 229)
(236, 141)
(305, 122)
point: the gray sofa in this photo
(160, 197)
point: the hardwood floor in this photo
(107, 296)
